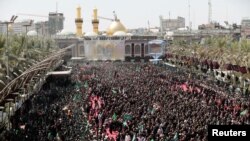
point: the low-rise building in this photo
(171, 24)
(245, 27)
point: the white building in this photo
(171, 24)
(3, 28)
(25, 26)
(17, 27)
(245, 27)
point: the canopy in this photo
(156, 48)
(60, 72)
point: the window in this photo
(146, 49)
(137, 49)
(81, 50)
(127, 49)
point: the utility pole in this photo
(37, 28)
(161, 26)
(26, 29)
(26, 25)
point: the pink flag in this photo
(184, 87)
(191, 89)
(99, 103)
(113, 135)
(93, 104)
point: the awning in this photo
(60, 72)
(157, 42)
(77, 58)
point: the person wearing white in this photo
(127, 137)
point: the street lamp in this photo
(29, 23)
(7, 23)
(2, 111)
(9, 102)
(15, 94)
(26, 24)
(37, 28)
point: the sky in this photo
(132, 13)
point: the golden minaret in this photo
(95, 21)
(78, 22)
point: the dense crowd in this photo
(127, 102)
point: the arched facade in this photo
(137, 50)
(135, 46)
(128, 50)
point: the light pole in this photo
(26, 25)
(2, 111)
(9, 102)
(7, 23)
(37, 28)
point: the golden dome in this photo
(116, 26)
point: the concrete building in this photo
(197, 35)
(171, 24)
(2, 28)
(138, 31)
(245, 27)
(55, 23)
(18, 27)
(42, 28)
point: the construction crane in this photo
(115, 17)
(105, 18)
(32, 15)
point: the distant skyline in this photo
(132, 13)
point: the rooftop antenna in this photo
(189, 22)
(169, 15)
(115, 16)
(209, 11)
(56, 7)
(148, 26)
(194, 19)
(227, 12)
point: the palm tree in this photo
(23, 52)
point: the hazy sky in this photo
(132, 13)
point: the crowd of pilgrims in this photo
(119, 101)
